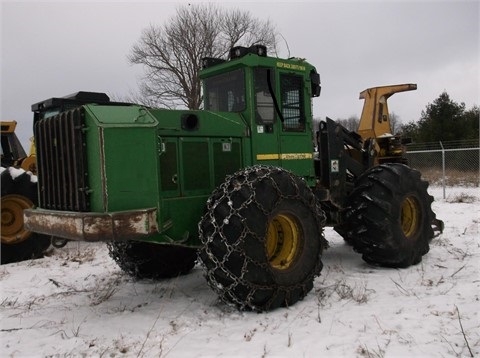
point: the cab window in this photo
(292, 98)
(225, 92)
(264, 108)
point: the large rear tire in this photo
(389, 217)
(149, 260)
(262, 237)
(19, 192)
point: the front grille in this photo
(61, 162)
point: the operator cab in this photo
(273, 97)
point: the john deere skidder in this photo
(244, 183)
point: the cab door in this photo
(265, 128)
(296, 138)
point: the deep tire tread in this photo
(35, 246)
(372, 220)
(233, 233)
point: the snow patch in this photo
(15, 172)
(77, 302)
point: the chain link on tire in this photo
(262, 237)
(150, 260)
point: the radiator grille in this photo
(61, 162)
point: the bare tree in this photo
(171, 54)
(351, 123)
(395, 122)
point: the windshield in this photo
(225, 92)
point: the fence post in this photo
(443, 170)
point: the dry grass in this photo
(343, 290)
(364, 351)
(104, 290)
(79, 253)
(453, 177)
(462, 198)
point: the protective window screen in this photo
(226, 92)
(292, 102)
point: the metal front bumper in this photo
(84, 226)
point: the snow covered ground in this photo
(77, 302)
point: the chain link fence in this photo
(447, 164)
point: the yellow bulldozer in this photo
(19, 192)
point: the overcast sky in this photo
(52, 49)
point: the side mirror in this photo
(315, 82)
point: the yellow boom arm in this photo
(375, 120)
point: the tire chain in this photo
(212, 234)
(119, 253)
(153, 261)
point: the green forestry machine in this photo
(245, 185)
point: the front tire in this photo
(154, 261)
(389, 216)
(262, 238)
(19, 192)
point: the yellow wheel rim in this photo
(30, 164)
(283, 241)
(12, 218)
(410, 216)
